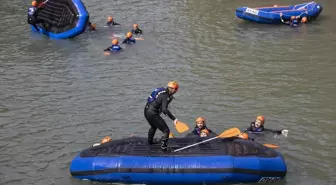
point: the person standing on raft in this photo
(158, 102)
(258, 126)
(32, 15)
(293, 21)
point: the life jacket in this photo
(197, 130)
(294, 23)
(254, 129)
(152, 97)
(31, 11)
(115, 48)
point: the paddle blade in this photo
(171, 135)
(271, 146)
(232, 132)
(181, 127)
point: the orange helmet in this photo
(292, 18)
(243, 135)
(304, 19)
(34, 3)
(115, 42)
(129, 34)
(110, 18)
(173, 84)
(135, 26)
(105, 139)
(205, 131)
(261, 118)
(200, 119)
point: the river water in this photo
(59, 97)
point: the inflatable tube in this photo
(133, 161)
(271, 15)
(64, 18)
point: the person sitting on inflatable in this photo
(129, 39)
(110, 22)
(104, 140)
(136, 30)
(32, 15)
(115, 46)
(293, 21)
(258, 126)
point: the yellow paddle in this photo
(171, 135)
(271, 146)
(232, 132)
(181, 127)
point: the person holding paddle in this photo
(258, 126)
(158, 102)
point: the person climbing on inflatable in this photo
(129, 39)
(110, 22)
(136, 30)
(258, 126)
(293, 21)
(158, 102)
(115, 46)
(199, 126)
(104, 140)
(91, 27)
(32, 15)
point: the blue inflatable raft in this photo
(271, 15)
(62, 18)
(133, 161)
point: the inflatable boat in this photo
(271, 15)
(62, 18)
(133, 161)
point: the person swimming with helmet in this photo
(110, 22)
(258, 126)
(200, 125)
(32, 15)
(91, 27)
(158, 102)
(129, 38)
(115, 46)
(136, 30)
(293, 21)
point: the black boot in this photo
(151, 142)
(164, 145)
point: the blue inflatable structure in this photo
(62, 18)
(133, 161)
(271, 15)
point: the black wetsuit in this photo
(137, 31)
(152, 114)
(252, 128)
(32, 16)
(112, 23)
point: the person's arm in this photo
(114, 23)
(164, 99)
(107, 49)
(124, 41)
(274, 131)
(283, 21)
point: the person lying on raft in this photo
(32, 15)
(129, 39)
(258, 126)
(293, 21)
(115, 46)
(199, 126)
(110, 22)
(136, 30)
(104, 140)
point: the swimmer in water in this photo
(304, 20)
(91, 27)
(258, 126)
(110, 22)
(129, 39)
(136, 30)
(115, 46)
(293, 21)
